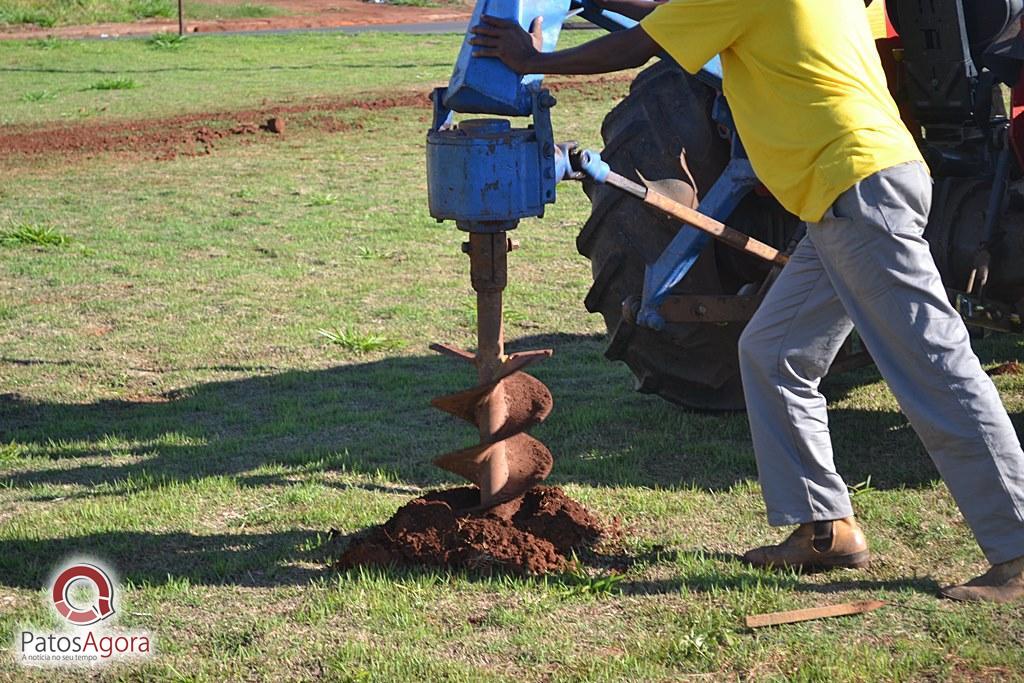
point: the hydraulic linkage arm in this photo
(591, 164)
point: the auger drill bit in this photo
(506, 402)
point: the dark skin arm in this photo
(634, 9)
(520, 51)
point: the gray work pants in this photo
(867, 265)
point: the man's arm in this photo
(506, 40)
(634, 9)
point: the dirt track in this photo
(302, 14)
(198, 133)
(187, 134)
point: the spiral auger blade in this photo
(506, 402)
(525, 402)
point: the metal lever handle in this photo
(591, 164)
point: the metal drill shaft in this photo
(488, 257)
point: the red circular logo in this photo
(82, 616)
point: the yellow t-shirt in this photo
(805, 85)
(876, 19)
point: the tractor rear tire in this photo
(668, 114)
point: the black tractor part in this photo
(666, 115)
(954, 61)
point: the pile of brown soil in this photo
(532, 534)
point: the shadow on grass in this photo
(707, 578)
(713, 581)
(245, 559)
(374, 419)
(298, 557)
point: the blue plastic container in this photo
(483, 85)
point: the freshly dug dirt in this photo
(532, 534)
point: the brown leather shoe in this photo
(1002, 583)
(817, 545)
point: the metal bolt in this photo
(701, 310)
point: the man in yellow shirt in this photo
(810, 102)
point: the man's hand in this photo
(506, 40)
(520, 50)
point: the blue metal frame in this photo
(735, 183)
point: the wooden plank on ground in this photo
(796, 615)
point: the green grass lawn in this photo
(211, 73)
(47, 13)
(168, 404)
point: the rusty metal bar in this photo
(708, 308)
(488, 257)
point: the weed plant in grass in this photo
(360, 343)
(323, 199)
(166, 41)
(47, 43)
(38, 96)
(32, 235)
(113, 84)
(26, 16)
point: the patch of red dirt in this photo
(583, 83)
(188, 134)
(301, 14)
(532, 534)
(198, 133)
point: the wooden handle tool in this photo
(718, 230)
